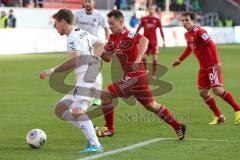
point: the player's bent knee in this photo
(79, 114)
(60, 109)
(218, 91)
(105, 97)
(78, 111)
(203, 94)
(153, 107)
(155, 57)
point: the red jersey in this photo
(150, 25)
(203, 47)
(125, 46)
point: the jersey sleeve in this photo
(73, 45)
(137, 37)
(134, 36)
(206, 40)
(212, 49)
(161, 29)
(185, 54)
(111, 45)
(203, 37)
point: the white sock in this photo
(87, 128)
(78, 125)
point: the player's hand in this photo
(164, 44)
(43, 74)
(176, 63)
(218, 68)
(135, 65)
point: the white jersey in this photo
(90, 23)
(81, 41)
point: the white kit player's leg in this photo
(83, 122)
(98, 86)
(87, 129)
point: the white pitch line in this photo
(144, 143)
(137, 145)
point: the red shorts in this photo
(152, 48)
(208, 78)
(136, 85)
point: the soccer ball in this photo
(36, 138)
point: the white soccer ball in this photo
(36, 138)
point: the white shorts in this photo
(83, 95)
(77, 101)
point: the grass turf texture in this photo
(28, 102)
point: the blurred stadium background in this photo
(34, 32)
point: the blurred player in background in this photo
(3, 20)
(150, 23)
(210, 73)
(91, 20)
(72, 107)
(129, 47)
(11, 19)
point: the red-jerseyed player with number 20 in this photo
(210, 72)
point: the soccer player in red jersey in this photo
(129, 47)
(210, 72)
(150, 23)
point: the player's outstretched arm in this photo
(140, 26)
(45, 73)
(108, 52)
(162, 33)
(184, 55)
(69, 64)
(218, 67)
(176, 63)
(143, 44)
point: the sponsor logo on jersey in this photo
(150, 25)
(131, 34)
(81, 35)
(72, 46)
(205, 36)
(71, 43)
(86, 24)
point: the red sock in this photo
(154, 67)
(108, 111)
(167, 116)
(227, 96)
(212, 105)
(144, 62)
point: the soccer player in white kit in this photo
(82, 48)
(90, 20)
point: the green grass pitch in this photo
(28, 102)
